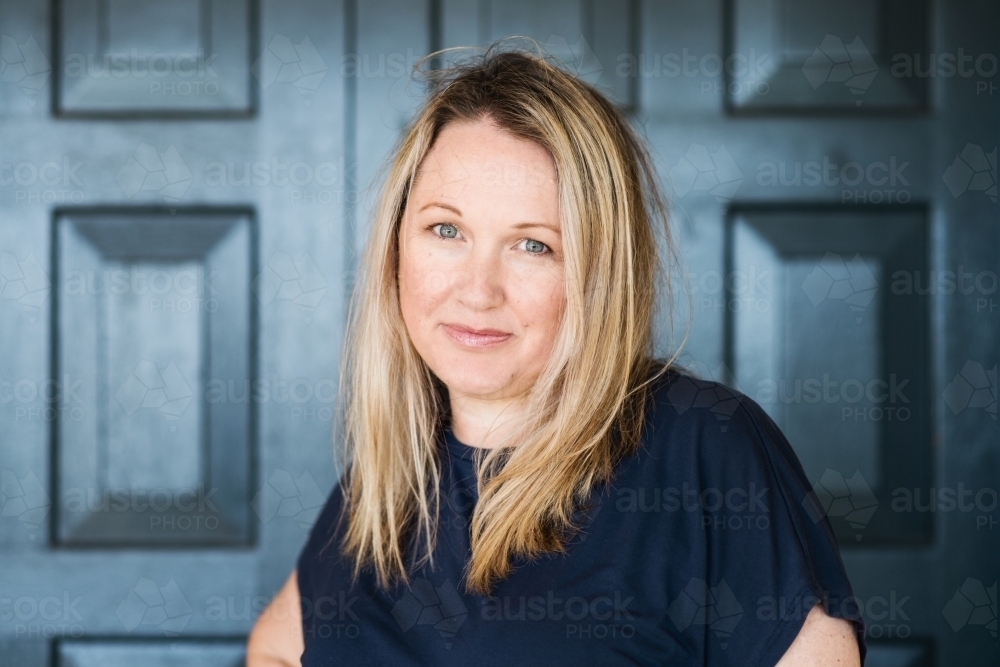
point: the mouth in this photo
(478, 338)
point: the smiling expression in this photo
(481, 280)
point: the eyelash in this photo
(548, 250)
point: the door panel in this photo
(171, 279)
(154, 303)
(146, 58)
(835, 344)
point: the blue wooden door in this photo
(170, 227)
(184, 191)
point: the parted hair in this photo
(585, 410)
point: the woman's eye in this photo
(535, 247)
(449, 231)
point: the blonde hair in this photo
(584, 412)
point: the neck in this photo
(483, 423)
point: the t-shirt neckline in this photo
(457, 448)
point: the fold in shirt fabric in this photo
(707, 548)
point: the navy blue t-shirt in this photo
(704, 549)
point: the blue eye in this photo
(448, 235)
(536, 247)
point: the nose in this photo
(481, 280)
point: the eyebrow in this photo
(440, 205)
(520, 225)
(543, 225)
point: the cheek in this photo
(540, 299)
(422, 285)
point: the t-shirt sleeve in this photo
(771, 555)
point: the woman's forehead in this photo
(482, 154)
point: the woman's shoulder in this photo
(685, 394)
(706, 430)
(714, 413)
(762, 527)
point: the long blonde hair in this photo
(585, 410)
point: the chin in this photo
(469, 382)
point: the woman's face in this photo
(480, 249)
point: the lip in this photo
(478, 338)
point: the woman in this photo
(524, 483)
